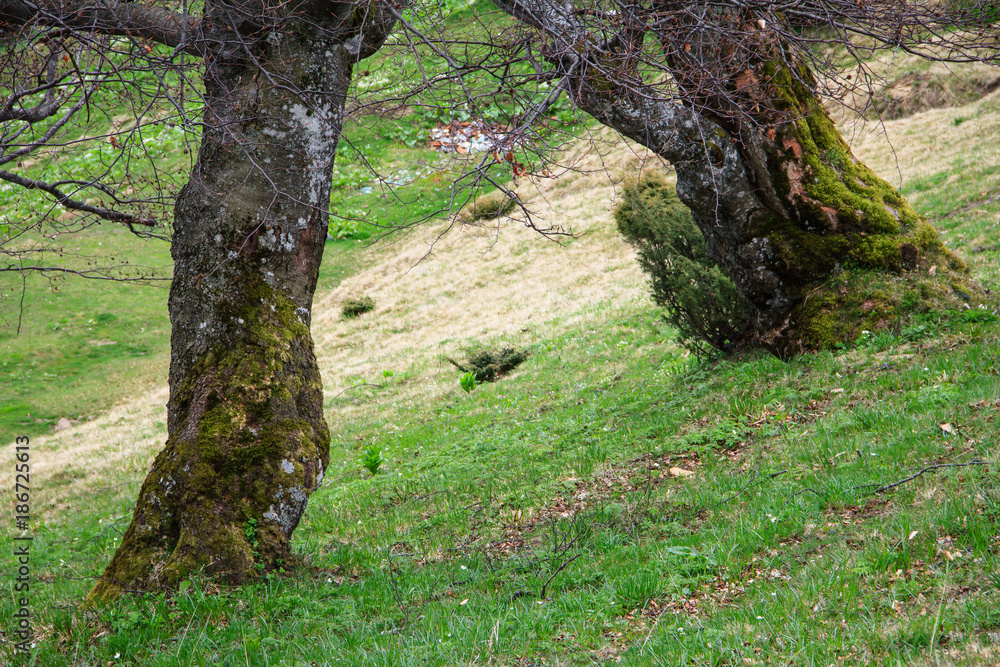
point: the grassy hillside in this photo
(613, 500)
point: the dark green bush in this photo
(490, 206)
(700, 299)
(356, 307)
(490, 365)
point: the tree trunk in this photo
(247, 440)
(782, 202)
(844, 245)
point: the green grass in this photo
(82, 344)
(536, 521)
(547, 519)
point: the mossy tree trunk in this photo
(247, 440)
(782, 202)
(823, 212)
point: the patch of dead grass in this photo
(932, 142)
(447, 287)
(435, 292)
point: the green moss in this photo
(830, 319)
(834, 179)
(268, 442)
(860, 300)
(878, 252)
(844, 214)
(245, 376)
(216, 427)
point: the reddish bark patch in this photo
(793, 145)
(795, 174)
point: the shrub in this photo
(489, 206)
(701, 300)
(356, 307)
(487, 365)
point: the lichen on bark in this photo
(247, 441)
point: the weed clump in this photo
(490, 206)
(357, 307)
(701, 300)
(490, 365)
(372, 460)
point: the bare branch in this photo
(122, 19)
(68, 202)
(920, 473)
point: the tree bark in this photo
(247, 440)
(782, 202)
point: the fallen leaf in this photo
(680, 472)
(912, 535)
(947, 428)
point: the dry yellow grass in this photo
(955, 139)
(435, 292)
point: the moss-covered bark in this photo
(247, 441)
(838, 219)
(819, 214)
(783, 204)
(249, 447)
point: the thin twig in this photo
(558, 570)
(915, 475)
(800, 492)
(363, 384)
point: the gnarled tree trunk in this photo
(781, 200)
(247, 440)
